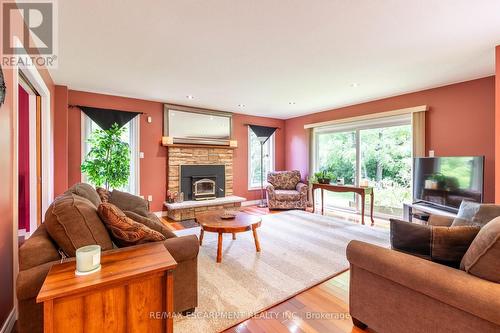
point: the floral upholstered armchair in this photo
(285, 191)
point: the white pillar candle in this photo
(88, 259)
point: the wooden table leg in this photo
(322, 202)
(201, 237)
(219, 248)
(371, 207)
(314, 206)
(362, 208)
(256, 239)
(234, 236)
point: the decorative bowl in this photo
(228, 215)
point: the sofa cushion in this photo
(445, 245)
(130, 202)
(72, 222)
(482, 259)
(86, 191)
(152, 223)
(284, 180)
(287, 195)
(124, 230)
(485, 214)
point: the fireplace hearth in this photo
(202, 182)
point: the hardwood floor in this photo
(323, 308)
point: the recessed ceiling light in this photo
(189, 96)
(241, 105)
(291, 103)
(354, 85)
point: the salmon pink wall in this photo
(460, 121)
(497, 126)
(61, 140)
(153, 166)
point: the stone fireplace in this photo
(206, 170)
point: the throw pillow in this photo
(130, 202)
(124, 230)
(445, 245)
(449, 244)
(86, 191)
(103, 194)
(466, 213)
(72, 222)
(482, 259)
(149, 222)
(411, 238)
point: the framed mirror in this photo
(196, 126)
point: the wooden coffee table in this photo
(212, 222)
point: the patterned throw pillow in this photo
(103, 194)
(125, 231)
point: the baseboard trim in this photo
(250, 203)
(9, 323)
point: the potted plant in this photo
(108, 161)
(324, 177)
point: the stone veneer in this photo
(178, 156)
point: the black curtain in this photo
(105, 118)
(263, 131)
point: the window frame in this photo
(272, 153)
(134, 186)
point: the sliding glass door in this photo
(379, 151)
(386, 162)
(336, 154)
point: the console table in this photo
(362, 191)
(133, 292)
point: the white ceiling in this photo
(267, 53)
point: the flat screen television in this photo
(446, 181)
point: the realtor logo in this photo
(29, 33)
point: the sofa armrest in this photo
(270, 191)
(440, 220)
(445, 284)
(30, 281)
(302, 189)
(183, 248)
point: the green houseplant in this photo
(108, 161)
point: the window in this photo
(254, 160)
(378, 150)
(130, 136)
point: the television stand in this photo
(420, 212)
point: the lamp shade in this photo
(263, 133)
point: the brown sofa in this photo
(40, 252)
(286, 191)
(394, 292)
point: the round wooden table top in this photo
(211, 221)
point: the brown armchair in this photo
(286, 191)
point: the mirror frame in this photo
(167, 108)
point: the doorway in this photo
(29, 157)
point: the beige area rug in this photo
(299, 250)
